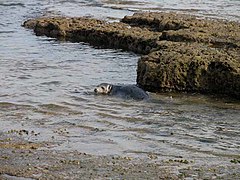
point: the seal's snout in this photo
(95, 90)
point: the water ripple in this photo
(12, 4)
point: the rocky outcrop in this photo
(96, 32)
(180, 52)
(196, 55)
(190, 67)
(186, 28)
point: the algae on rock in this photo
(190, 67)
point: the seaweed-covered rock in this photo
(192, 67)
(194, 54)
(179, 27)
(96, 32)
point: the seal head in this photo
(103, 88)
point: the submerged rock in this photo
(181, 52)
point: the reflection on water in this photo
(46, 86)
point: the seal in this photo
(123, 91)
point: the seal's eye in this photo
(102, 88)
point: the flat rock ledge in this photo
(179, 52)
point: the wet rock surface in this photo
(181, 52)
(196, 55)
(41, 162)
(186, 28)
(96, 32)
(191, 67)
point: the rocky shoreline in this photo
(179, 52)
(22, 159)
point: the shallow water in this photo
(46, 87)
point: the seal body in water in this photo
(123, 91)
